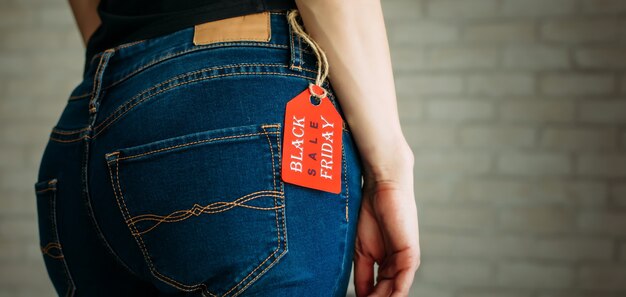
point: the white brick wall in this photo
(519, 132)
(515, 109)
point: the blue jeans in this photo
(162, 176)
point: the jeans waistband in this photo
(112, 66)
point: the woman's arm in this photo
(353, 36)
(86, 16)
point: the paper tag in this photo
(311, 152)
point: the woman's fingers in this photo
(363, 272)
(369, 248)
(383, 288)
(402, 283)
(400, 268)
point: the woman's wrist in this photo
(388, 161)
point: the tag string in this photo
(322, 65)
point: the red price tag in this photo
(311, 152)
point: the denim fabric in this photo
(162, 176)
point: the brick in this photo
(436, 245)
(602, 277)
(531, 275)
(22, 205)
(601, 58)
(461, 8)
(578, 139)
(599, 222)
(422, 32)
(23, 275)
(490, 137)
(577, 84)
(457, 273)
(455, 163)
(44, 113)
(571, 249)
(429, 135)
(409, 86)
(580, 31)
(33, 38)
(462, 219)
(17, 18)
(618, 194)
(606, 165)
(576, 293)
(537, 111)
(17, 64)
(537, 220)
(462, 57)
(30, 4)
(537, 57)
(15, 133)
(410, 110)
(538, 7)
(19, 229)
(424, 289)
(517, 192)
(605, 111)
(57, 17)
(500, 84)
(499, 32)
(501, 247)
(432, 189)
(493, 293)
(564, 249)
(40, 291)
(22, 93)
(38, 113)
(401, 10)
(12, 157)
(18, 180)
(534, 164)
(459, 110)
(603, 6)
(407, 58)
(20, 252)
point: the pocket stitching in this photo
(55, 242)
(286, 242)
(126, 214)
(141, 99)
(198, 142)
(277, 224)
(236, 202)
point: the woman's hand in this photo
(387, 230)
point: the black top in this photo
(132, 20)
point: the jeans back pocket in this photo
(206, 209)
(51, 249)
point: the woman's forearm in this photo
(86, 16)
(352, 34)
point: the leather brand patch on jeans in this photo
(253, 27)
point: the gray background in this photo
(515, 110)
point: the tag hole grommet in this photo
(315, 101)
(312, 88)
